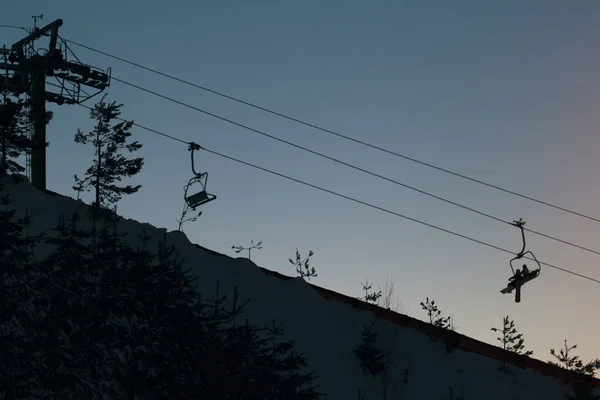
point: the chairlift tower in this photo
(25, 71)
(29, 52)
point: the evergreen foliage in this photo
(451, 338)
(109, 166)
(381, 358)
(372, 297)
(584, 372)
(14, 139)
(510, 338)
(369, 353)
(118, 322)
(434, 314)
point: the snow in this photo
(326, 331)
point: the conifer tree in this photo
(510, 338)
(369, 353)
(583, 388)
(10, 234)
(109, 166)
(151, 335)
(73, 278)
(19, 312)
(372, 297)
(380, 357)
(291, 383)
(148, 303)
(14, 140)
(435, 315)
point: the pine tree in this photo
(73, 277)
(290, 382)
(370, 297)
(151, 335)
(582, 386)
(14, 140)
(109, 165)
(380, 357)
(149, 300)
(369, 353)
(510, 338)
(435, 315)
(573, 362)
(19, 302)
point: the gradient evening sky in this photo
(505, 92)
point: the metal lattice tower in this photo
(25, 72)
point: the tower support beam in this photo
(38, 119)
(25, 70)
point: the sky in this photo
(504, 92)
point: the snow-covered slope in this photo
(325, 329)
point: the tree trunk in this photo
(4, 131)
(96, 209)
(98, 172)
(4, 162)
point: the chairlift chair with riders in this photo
(520, 277)
(201, 196)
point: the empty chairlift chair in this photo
(195, 193)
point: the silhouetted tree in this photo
(370, 297)
(382, 358)
(151, 335)
(435, 315)
(510, 338)
(368, 352)
(291, 382)
(302, 268)
(360, 395)
(451, 394)
(14, 139)
(573, 362)
(23, 302)
(582, 385)
(109, 165)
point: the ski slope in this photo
(327, 326)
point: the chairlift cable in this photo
(448, 231)
(181, 103)
(13, 27)
(338, 134)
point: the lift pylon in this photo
(25, 70)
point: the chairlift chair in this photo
(200, 197)
(520, 277)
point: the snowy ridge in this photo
(327, 325)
